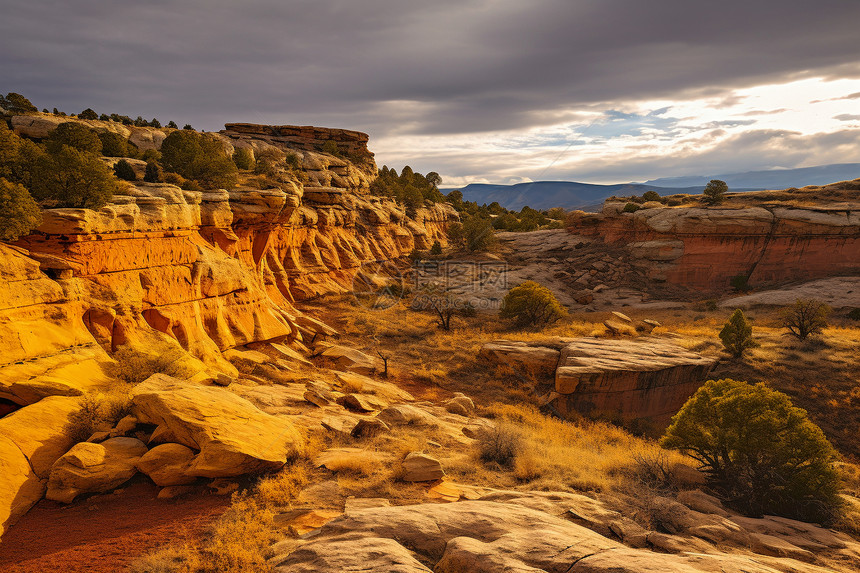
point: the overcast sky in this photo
(478, 90)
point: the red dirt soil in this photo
(103, 533)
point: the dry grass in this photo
(99, 412)
(552, 454)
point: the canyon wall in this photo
(704, 248)
(162, 268)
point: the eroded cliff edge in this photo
(164, 268)
(704, 248)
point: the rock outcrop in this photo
(561, 532)
(232, 435)
(704, 248)
(93, 468)
(640, 380)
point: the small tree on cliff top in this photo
(715, 191)
(758, 450)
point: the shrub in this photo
(478, 234)
(243, 158)
(854, 314)
(500, 445)
(674, 202)
(715, 192)
(74, 135)
(760, 451)
(737, 334)
(123, 170)
(113, 144)
(133, 367)
(456, 235)
(104, 117)
(651, 196)
(330, 147)
(268, 161)
(151, 155)
(436, 249)
(152, 173)
(187, 126)
(154, 123)
(630, 208)
(19, 213)
(16, 103)
(806, 317)
(88, 114)
(174, 179)
(98, 412)
(172, 124)
(531, 304)
(72, 178)
(198, 157)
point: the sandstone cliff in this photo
(704, 248)
(205, 271)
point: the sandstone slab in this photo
(168, 464)
(93, 468)
(232, 435)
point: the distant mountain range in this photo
(589, 196)
(772, 178)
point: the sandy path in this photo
(103, 533)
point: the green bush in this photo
(761, 452)
(72, 178)
(16, 103)
(478, 234)
(456, 234)
(113, 144)
(200, 158)
(74, 135)
(151, 155)
(244, 159)
(651, 196)
(331, 148)
(436, 249)
(123, 170)
(152, 173)
(19, 213)
(630, 208)
(88, 114)
(715, 192)
(805, 318)
(737, 334)
(172, 124)
(531, 304)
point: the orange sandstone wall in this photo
(703, 248)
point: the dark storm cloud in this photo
(390, 66)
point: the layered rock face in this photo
(704, 248)
(643, 380)
(207, 271)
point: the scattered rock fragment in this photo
(421, 467)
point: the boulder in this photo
(421, 467)
(539, 360)
(94, 468)
(233, 436)
(461, 405)
(367, 428)
(407, 414)
(168, 464)
(646, 378)
(350, 359)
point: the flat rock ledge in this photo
(646, 379)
